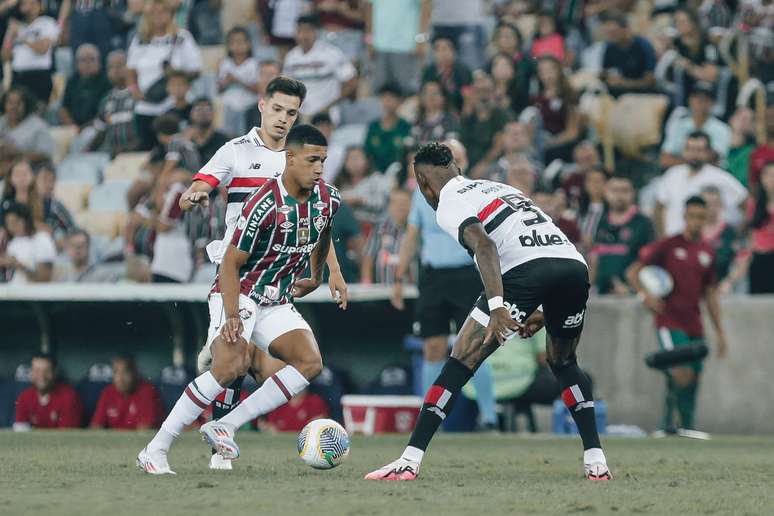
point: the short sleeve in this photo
(132, 57)
(49, 29)
(344, 70)
(649, 55)
(220, 168)
(662, 190)
(672, 141)
(733, 190)
(454, 215)
(654, 253)
(186, 55)
(45, 251)
(171, 213)
(257, 216)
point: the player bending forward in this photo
(283, 226)
(524, 261)
(242, 165)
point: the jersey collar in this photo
(452, 184)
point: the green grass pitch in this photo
(85, 473)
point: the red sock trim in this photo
(199, 403)
(281, 386)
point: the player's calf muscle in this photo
(559, 350)
(470, 348)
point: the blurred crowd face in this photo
(238, 45)
(516, 137)
(278, 114)
(697, 152)
(502, 68)
(14, 107)
(767, 180)
(356, 163)
(390, 103)
(87, 61)
(160, 17)
(586, 157)
(521, 175)
(399, 207)
(42, 375)
(268, 71)
(178, 87)
(695, 218)
(116, 69)
(700, 104)
(30, 9)
(613, 32)
(714, 205)
(507, 41)
(484, 89)
(124, 377)
(78, 250)
(546, 25)
(619, 194)
(22, 176)
(45, 182)
(431, 97)
(595, 184)
(444, 53)
(683, 23)
(202, 115)
(548, 72)
(14, 225)
(306, 35)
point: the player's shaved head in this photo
(305, 134)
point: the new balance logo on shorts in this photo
(574, 321)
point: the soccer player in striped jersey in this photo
(525, 261)
(242, 165)
(283, 227)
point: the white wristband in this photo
(495, 303)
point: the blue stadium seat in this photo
(91, 386)
(171, 384)
(393, 380)
(82, 168)
(110, 196)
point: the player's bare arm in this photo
(713, 307)
(198, 194)
(306, 286)
(408, 249)
(233, 260)
(336, 283)
(500, 323)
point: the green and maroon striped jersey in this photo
(280, 235)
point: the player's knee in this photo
(310, 367)
(683, 377)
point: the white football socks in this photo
(197, 396)
(413, 454)
(275, 392)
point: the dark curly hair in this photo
(434, 153)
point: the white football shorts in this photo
(262, 324)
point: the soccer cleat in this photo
(153, 463)
(401, 469)
(597, 471)
(221, 437)
(218, 462)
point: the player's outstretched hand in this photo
(501, 326)
(338, 289)
(304, 286)
(232, 329)
(722, 346)
(532, 325)
(192, 199)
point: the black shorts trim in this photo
(237, 197)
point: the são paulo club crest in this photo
(319, 222)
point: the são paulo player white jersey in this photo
(521, 231)
(241, 165)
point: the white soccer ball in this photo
(657, 281)
(323, 444)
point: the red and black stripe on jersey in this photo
(280, 236)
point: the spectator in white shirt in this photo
(690, 178)
(21, 130)
(79, 268)
(30, 255)
(697, 118)
(159, 47)
(327, 73)
(238, 81)
(29, 46)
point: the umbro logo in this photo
(254, 166)
(286, 227)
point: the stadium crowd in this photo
(610, 114)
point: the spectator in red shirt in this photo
(295, 414)
(129, 403)
(690, 262)
(763, 153)
(48, 403)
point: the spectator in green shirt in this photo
(742, 144)
(620, 235)
(384, 140)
